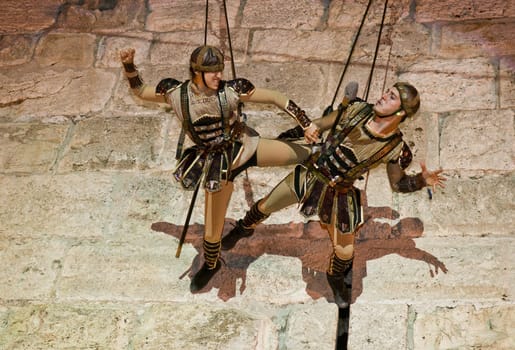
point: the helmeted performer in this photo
(361, 137)
(223, 145)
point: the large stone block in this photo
(105, 16)
(114, 143)
(377, 326)
(448, 85)
(462, 10)
(30, 147)
(28, 93)
(467, 206)
(483, 326)
(410, 42)
(21, 16)
(477, 39)
(304, 83)
(108, 53)
(486, 143)
(309, 326)
(142, 269)
(188, 15)
(350, 13)
(78, 205)
(208, 326)
(68, 50)
(16, 49)
(305, 15)
(286, 45)
(30, 266)
(37, 325)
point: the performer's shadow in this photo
(309, 243)
(378, 238)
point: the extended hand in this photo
(311, 133)
(127, 55)
(433, 178)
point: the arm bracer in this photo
(410, 183)
(132, 75)
(298, 114)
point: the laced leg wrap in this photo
(211, 253)
(339, 267)
(244, 227)
(253, 217)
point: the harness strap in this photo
(347, 127)
(226, 115)
(367, 163)
(187, 124)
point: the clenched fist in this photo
(127, 55)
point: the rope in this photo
(229, 39)
(329, 109)
(376, 51)
(247, 187)
(205, 23)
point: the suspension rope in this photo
(205, 23)
(247, 187)
(376, 51)
(329, 109)
(229, 40)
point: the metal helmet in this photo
(410, 99)
(207, 59)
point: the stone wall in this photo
(90, 215)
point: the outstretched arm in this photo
(401, 182)
(138, 87)
(259, 95)
(325, 123)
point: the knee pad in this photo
(344, 253)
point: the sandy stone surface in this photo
(91, 216)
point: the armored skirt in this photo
(340, 206)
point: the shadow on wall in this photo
(311, 244)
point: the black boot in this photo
(238, 232)
(244, 227)
(203, 276)
(209, 268)
(340, 290)
(338, 270)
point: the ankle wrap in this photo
(338, 266)
(211, 253)
(253, 217)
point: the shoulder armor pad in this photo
(241, 86)
(356, 100)
(166, 85)
(405, 157)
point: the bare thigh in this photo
(279, 153)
